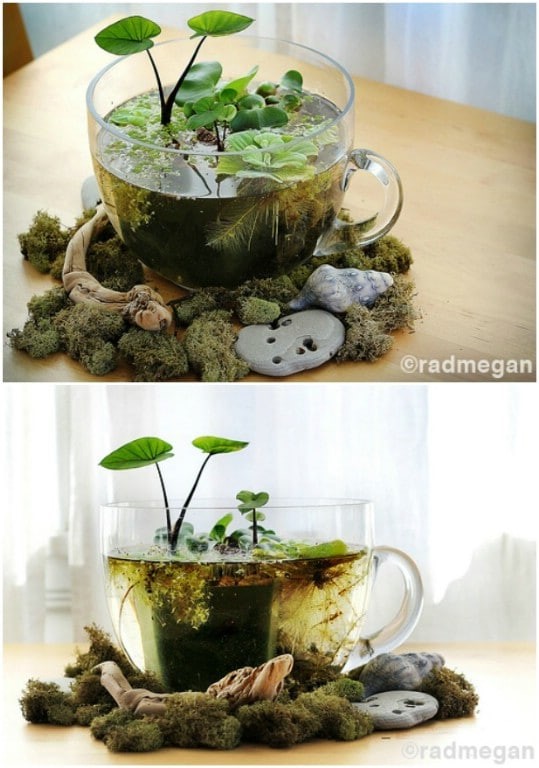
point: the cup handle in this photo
(342, 234)
(403, 623)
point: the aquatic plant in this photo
(144, 451)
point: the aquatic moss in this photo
(199, 720)
(456, 696)
(46, 703)
(209, 343)
(252, 310)
(87, 334)
(155, 356)
(44, 242)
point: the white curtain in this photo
(450, 469)
(482, 54)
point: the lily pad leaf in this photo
(334, 548)
(218, 23)
(129, 35)
(199, 82)
(138, 453)
(213, 445)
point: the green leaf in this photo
(218, 23)
(138, 453)
(129, 35)
(251, 500)
(265, 117)
(202, 120)
(199, 82)
(218, 531)
(240, 83)
(334, 548)
(292, 80)
(213, 445)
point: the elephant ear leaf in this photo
(130, 35)
(213, 445)
(138, 453)
(218, 23)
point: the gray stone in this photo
(398, 672)
(337, 289)
(89, 193)
(393, 710)
(291, 344)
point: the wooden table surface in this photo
(468, 217)
(503, 674)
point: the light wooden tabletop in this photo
(503, 727)
(468, 217)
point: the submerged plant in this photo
(145, 451)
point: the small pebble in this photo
(291, 344)
(89, 193)
(394, 710)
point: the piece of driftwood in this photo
(141, 305)
(243, 686)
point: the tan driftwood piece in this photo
(243, 686)
(141, 305)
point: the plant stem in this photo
(179, 521)
(165, 498)
(166, 111)
(255, 529)
(159, 85)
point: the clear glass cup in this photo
(193, 616)
(198, 228)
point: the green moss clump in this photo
(46, 703)
(345, 687)
(156, 356)
(201, 301)
(113, 265)
(252, 310)
(389, 254)
(209, 343)
(394, 309)
(101, 649)
(308, 676)
(136, 736)
(87, 334)
(277, 724)
(339, 719)
(101, 726)
(199, 720)
(456, 696)
(48, 304)
(280, 290)
(364, 339)
(38, 338)
(44, 242)
(86, 713)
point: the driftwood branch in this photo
(141, 305)
(243, 686)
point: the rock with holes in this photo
(398, 671)
(337, 289)
(394, 710)
(291, 344)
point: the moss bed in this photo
(206, 321)
(312, 705)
